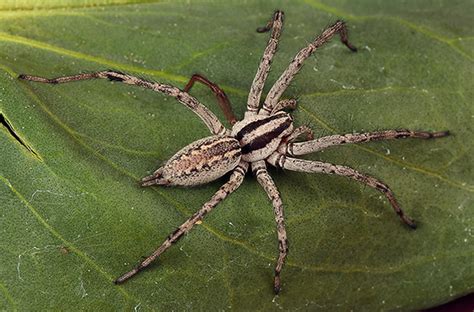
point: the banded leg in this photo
(222, 98)
(309, 166)
(289, 103)
(234, 182)
(301, 148)
(211, 121)
(301, 130)
(285, 79)
(260, 171)
(275, 24)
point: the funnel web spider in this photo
(266, 135)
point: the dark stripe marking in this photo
(260, 171)
(257, 123)
(114, 78)
(263, 140)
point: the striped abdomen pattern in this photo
(200, 162)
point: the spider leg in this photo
(211, 121)
(285, 79)
(222, 98)
(301, 148)
(283, 104)
(275, 24)
(302, 165)
(234, 182)
(301, 130)
(260, 171)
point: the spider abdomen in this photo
(200, 162)
(259, 136)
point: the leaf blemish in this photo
(7, 125)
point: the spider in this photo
(265, 135)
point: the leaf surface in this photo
(73, 216)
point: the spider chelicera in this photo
(265, 136)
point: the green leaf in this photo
(73, 216)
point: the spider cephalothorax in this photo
(265, 136)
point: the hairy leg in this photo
(285, 79)
(301, 130)
(283, 104)
(266, 181)
(211, 121)
(222, 98)
(301, 148)
(234, 182)
(302, 165)
(275, 24)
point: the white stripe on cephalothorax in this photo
(259, 136)
(249, 134)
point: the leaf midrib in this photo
(182, 79)
(179, 78)
(182, 210)
(451, 42)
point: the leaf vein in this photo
(405, 164)
(423, 30)
(58, 235)
(8, 296)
